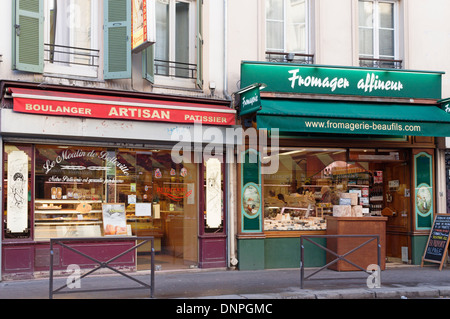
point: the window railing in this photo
(68, 55)
(380, 63)
(177, 69)
(301, 58)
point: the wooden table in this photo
(364, 256)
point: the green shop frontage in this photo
(341, 150)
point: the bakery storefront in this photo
(81, 164)
(347, 151)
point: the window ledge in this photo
(174, 83)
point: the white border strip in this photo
(91, 101)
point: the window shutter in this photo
(28, 35)
(148, 64)
(117, 39)
(199, 44)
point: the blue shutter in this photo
(148, 63)
(199, 44)
(28, 35)
(117, 39)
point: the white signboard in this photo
(143, 209)
(17, 203)
(213, 193)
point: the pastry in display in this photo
(84, 208)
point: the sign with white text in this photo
(80, 105)
(313, 79)
(437, 245)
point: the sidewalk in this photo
(397, 282)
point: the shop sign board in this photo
(353, 81)
(250, 101)
(437, 245)
(446, 107)
(142, 110)
(143, 23)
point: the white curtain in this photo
(162, 36)
(72, 28)
(62, 30)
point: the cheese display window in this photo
(313, 183)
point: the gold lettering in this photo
(113, 112)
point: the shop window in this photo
(95, 192)
(313, 183)
(287, 31)
(378, 34)
(17, 185)
(176, 58)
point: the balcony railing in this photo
(301, 58)
(380, 63)
(177, 69)
(68, 55)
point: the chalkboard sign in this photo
(437, 245)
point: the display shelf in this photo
(64, 211)
(65, 218)
(71, 223)
(66, 201)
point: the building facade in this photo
(94, 104)
(293, 51)
(106, 133)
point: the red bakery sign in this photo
(83, 105)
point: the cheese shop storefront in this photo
(86, 164)
(349, 151)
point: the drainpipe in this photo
(225, 50)
(1, 194)
(231, 197)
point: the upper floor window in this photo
(56, 36)
(287, 30)
(378, 40)
(63, 37)
(175, 58)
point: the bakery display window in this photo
(70, 187)
(311, 183)
(98, 191)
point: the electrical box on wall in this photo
(405, 254)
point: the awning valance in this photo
(353, 118)
(46, 102)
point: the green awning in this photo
(353, 118)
